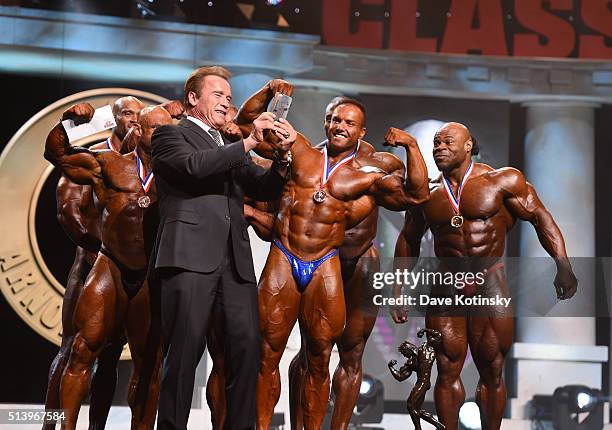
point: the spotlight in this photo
(369, 409)
(366, 387)
(143, 9)
(469, 416)
(584, 400)
(273, 2)
(370, 405)
(569, 405)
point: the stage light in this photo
(370, 405)
(366, 386)
(583, 400)
(144, 10)
(273, 2)
(469, 416)
(571, 403)
(369, 409)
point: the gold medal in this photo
(457, 221)
(145, 180)
(144, 201)
(319, 196)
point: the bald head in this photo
(154, 116)
(124, 102)
(149, 119)
(453, 146)
(461, 131)
(125, 111)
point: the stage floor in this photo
(199, 419)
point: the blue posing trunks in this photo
(303, 271)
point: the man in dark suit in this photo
(202, 256)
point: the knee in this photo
(81, 355)
(297, 363)
(350, 359)
(449, 375)
(318, 362)
(270, 359)
(491, 373)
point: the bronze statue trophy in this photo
(420, 360)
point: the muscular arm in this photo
(409, 241)
(258, 103)
(396, 191)
(255, 106)
(69, 199)
(78, 164)
(262, 221)
(407, 251)
(523, 202)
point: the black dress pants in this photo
(187, 300)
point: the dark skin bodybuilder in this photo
(80, 219)
(107, 309)
(491, 203)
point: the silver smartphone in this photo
(280, 104)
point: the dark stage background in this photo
(500, 127)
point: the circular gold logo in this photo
(29, 286)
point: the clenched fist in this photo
(280, 86)
(175, 108)
(79, 113)
(396, 137)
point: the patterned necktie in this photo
(216, 136)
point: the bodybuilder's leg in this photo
(76, 279)
(279, 302)
(322, 314)
(360, 319)
(98, 316)
(449, 393)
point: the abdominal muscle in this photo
(310, 230)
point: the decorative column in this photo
(559, 348)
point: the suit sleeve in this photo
(172, 155)
(261, 184)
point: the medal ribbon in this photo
(109, 145)
(328, 170)
(145, 181)
(454, 201)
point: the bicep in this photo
(81, 167)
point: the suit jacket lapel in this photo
(199, 131)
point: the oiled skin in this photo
(104, 312)
(491, 203)
(359, 258)
(78, 215)
(310, 230)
